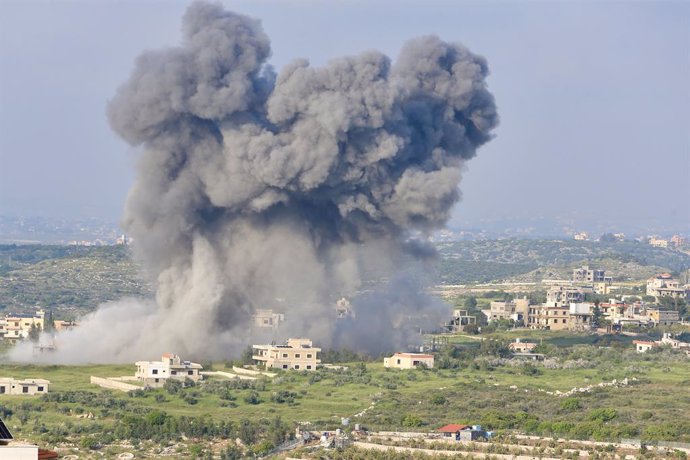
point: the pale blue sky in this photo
(594, 98)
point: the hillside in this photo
(77, 278)
(65, 277)
(533, 260)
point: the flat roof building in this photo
(409, 360)
(298, 354)
(28, 387)
(155, 373)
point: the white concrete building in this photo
(664, 285)
(155, 373)
(297, 354)
(408, 360)
(29, 387)
(643, 346)
(522, 347)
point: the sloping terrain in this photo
(533, 260)
(66, 277)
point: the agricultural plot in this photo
(476, 386)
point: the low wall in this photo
(400, 434)
(228, 375)
(242, 370)
(113, 384)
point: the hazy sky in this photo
(594, 98)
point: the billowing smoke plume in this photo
(254, 187)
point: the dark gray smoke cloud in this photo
(254, 186)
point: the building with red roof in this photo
(464, 432)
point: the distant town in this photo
(594, 329)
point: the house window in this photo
(155, 371)
(296, 366)
(190, 372)
(308, 366)
(156, 380)
(40, 388)
(173, 372)
(2, 390)
(285, 366)
(398, 361)
(25, 389)
(297, 355)
(308, 355)
(284, 355)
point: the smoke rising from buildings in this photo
(255, 186)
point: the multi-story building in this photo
(563, 296)
(554, 318)
(460, 320)
(585, 274)
(658, 242)
(663, 317)
(517, 310)
(155, 373)
(500, 310)
(580, 316)
(678, 240)
(17, 327)
(298, 354)
(664, 285)
(28, 387)
(613, 308)
(409, 360)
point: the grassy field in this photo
(500, 394)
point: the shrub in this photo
(570, 404)
(438, 400)
(604, 414)
(411, 420)
(172, 386)
(88, 443)
(252, 398)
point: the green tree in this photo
(494, 348)
(232, 452)
(247, 432)
(470, 303)
(677, 304)
(49, 324)
(172, 386)
(34, 332)
(597, 315)
(411, 420)
(438, 400)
